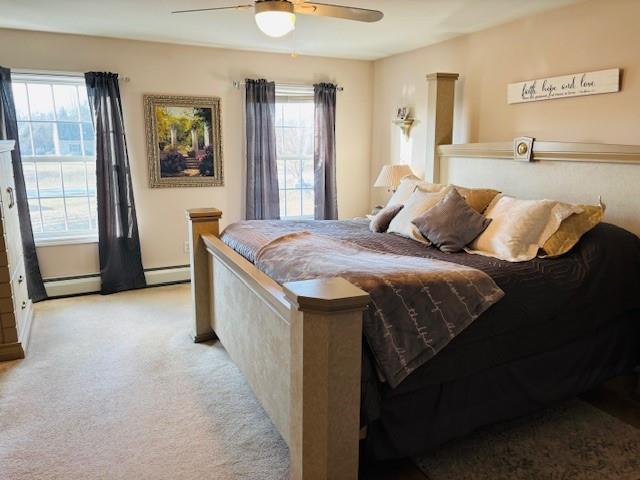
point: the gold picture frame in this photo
(184, 141)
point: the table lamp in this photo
(390, 176)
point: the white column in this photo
(440, 101)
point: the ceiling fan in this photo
(276, 18)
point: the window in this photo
(294, 135)
(57, 143)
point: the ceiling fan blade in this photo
(236, 7)
(338, 11)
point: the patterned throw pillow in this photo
(451, 224)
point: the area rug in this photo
(572, 442)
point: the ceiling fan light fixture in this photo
(275, 18)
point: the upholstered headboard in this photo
(573, 172)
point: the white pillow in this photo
(431, 187)
(519, 228)
(418, 203)
(405, 189)
(408, 185)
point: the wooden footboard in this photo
(298, 346)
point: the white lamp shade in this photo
(276, 23)
(390, 175)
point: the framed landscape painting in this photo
(184, 144)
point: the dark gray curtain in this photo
(118, 241)
(262, 197)
(324, 158)
(35, 285)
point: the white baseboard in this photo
(167, 275)
(63, 287)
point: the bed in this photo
(562, 326)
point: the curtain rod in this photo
(241, 83)
(54, 73)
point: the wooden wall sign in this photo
(575, 85)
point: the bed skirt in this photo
(413, 423)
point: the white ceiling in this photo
(408, 24)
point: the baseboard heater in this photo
(83, 284)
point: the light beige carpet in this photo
(575, 441)
(113, 388)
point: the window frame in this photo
(302, 94)
(60, 238)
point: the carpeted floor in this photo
(113, 388)
(574, 441)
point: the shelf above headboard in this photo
(548, 151)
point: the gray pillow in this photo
(451, 224)
(381, 221)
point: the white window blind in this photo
(295, 136)
(57, 144)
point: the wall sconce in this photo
(404, 120)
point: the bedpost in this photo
(440, 103)
(201, 221)
(326, 357)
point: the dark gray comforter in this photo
(547, 301)
(417, 307)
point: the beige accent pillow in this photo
(519, 227)
(417, 204)
(478, 198)
(572, 229)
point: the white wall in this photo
(590, 35)
(187, 70)
(587, 36)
